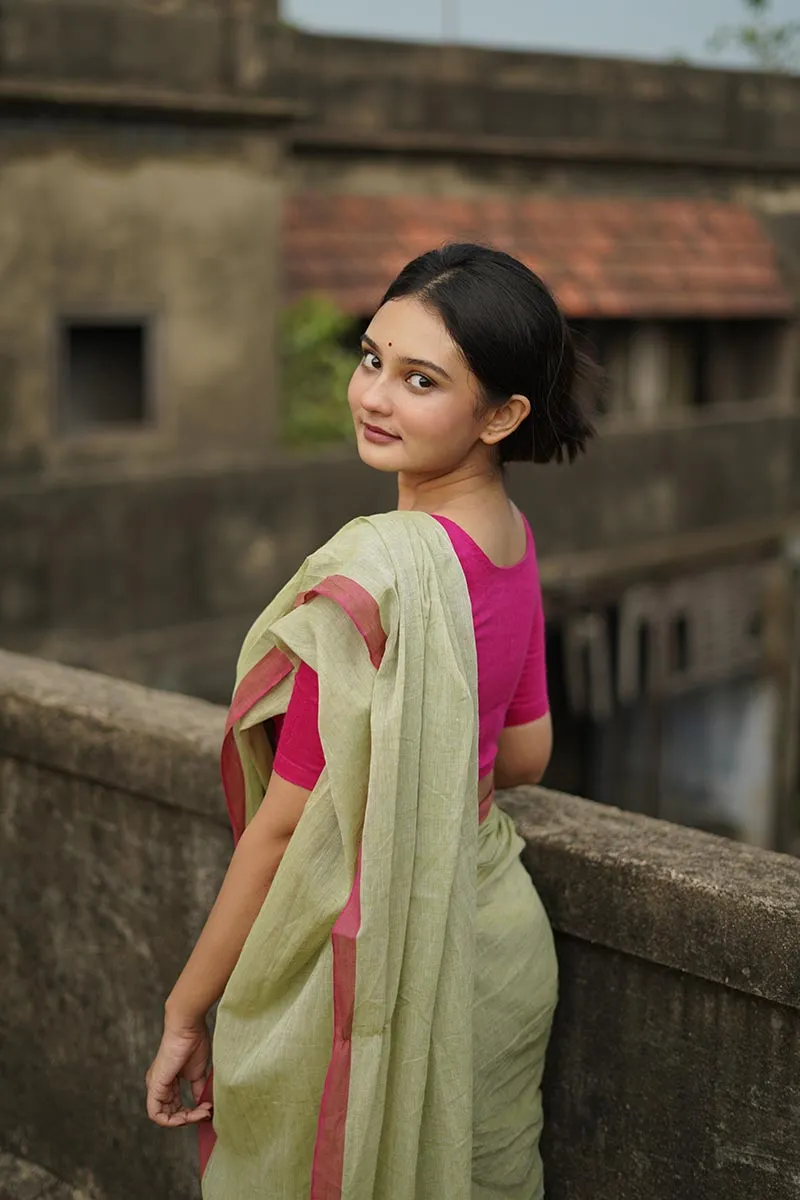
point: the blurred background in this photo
(201, 202)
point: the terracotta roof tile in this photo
(610, 257)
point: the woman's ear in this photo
(504, 420)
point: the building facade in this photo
(145, 508)
(139, 235)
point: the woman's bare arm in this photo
(184, 1050)
(523, 753)
(244, 889)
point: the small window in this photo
(103, 375)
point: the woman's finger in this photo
(184, 1116)
(165, 1107)
(203, 1112)
(163, 1097)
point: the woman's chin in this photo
(381, 458)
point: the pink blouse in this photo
(509, 640)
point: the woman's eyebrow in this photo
(410, 362)
(424, 362)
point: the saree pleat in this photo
(397, 942)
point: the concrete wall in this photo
(113, 845)
(672, 1069)
(155, 576)
(171, 225)
(136, 42)
(389, 117)
(389, 94)
(608, 108)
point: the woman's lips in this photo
(373, 434)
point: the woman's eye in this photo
(368, 359)
(421, 381)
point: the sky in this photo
(630, 28)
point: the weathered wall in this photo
(389, 94)
(671, 1072)
(113, 846)
(461, 98)
(156, 576)
(387, 116)
(399, 118)
(137, 42)
(174, 225)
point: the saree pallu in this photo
(383, 1033)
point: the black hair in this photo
(514, 339)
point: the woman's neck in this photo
(455, 491)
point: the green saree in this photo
(383, 1034)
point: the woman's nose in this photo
(376, 397)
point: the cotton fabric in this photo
(508, 625)
(401, 949)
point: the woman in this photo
(387, 971)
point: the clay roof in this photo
(608, 257)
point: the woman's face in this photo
(413, 398)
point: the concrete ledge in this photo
(472, 101)
(704, 905)
(423, 142)
(143, 102)
(151, 744)
(607, 876)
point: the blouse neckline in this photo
(482, 553)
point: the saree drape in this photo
(383, 1033)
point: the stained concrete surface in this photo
(672, 1069)
(20, 1180)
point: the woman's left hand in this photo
(183, 1054)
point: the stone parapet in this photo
(461, 101)
(672, 1068)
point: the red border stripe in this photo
(206, 1137)
(257, 683)
(328, 1164)
(360, 606)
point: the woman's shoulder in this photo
(382, 540)
(385, 527)
(495, 552)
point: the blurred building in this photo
(165, 161)
(139, 211)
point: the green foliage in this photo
(771, 47)
(315, 372)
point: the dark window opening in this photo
(103, 375)
(654, 365)
(585, 668)
(569, 769)
(700, 390)
(680, 644)
(755, 626)
(644, 657)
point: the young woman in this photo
(386, 968)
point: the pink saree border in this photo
(328, 1165)
(363, 611)
(257, 683)
(328, 1160)
(360, 606)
